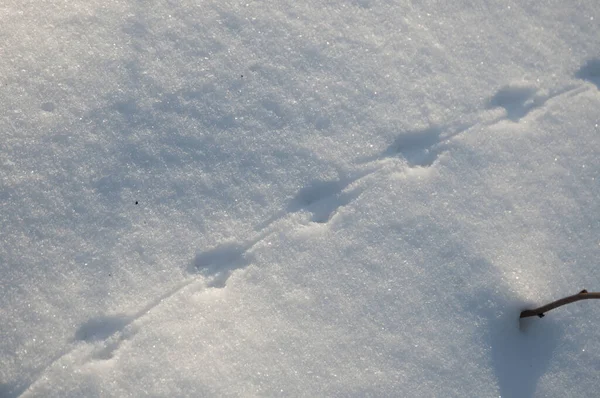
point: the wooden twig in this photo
(582, 295)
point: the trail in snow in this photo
(211, 268)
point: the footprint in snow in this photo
(590, 72)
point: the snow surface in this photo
(298, 198)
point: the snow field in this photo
(341, 199)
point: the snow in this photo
(282, 198)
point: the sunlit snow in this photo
(298, 198)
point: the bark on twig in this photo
(582, 295)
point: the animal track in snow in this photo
(105, 334)
(518, 99)
(322, 199)
(102, 327)
(421, 148)
(521, 99)
(417, 147)
(590, 71)
(216, 264)
(108, 329)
